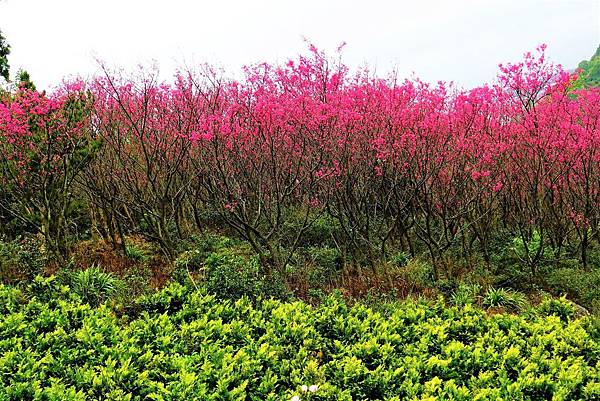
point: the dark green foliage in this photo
(4, 52)
(320, 232)
(231, 276)
(21, 259)
(400, 258)
(136, 252)
(134, 283)
(187, 345)
(24, 80)
(191, 261)
(419, 273)
(326, 264)
(197, 248)
(589, 76)
(228, 268)
(515, 259)
(581, 285)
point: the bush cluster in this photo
(186, 344)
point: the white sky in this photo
(450, 40)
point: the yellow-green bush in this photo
(187, 345)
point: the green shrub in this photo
(198, 247)
(188, 345)
(562, 308)
(500, 298)
(447, 286)
(210, 242)
(319, 233)
(592, 325)
(326, 265)
(170, 300)
(418, 273)
(400, 259)
(47, 289)
(510, 262)
(94, 286)
(581, 285)
(232, 276)
(21, 259)
(533, 246)
(274, 287)
(465, 294)
(228, 268)
(191, 262)
(134, 283)
(136, 252)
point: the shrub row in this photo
(184, 344)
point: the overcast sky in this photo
(450, 40)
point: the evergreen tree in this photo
(4, 52)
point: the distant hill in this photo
(590, 74)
